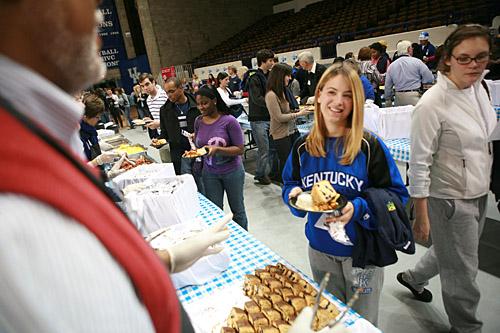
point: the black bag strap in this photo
(485, 86)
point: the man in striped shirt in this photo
(156, 98)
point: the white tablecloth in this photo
(389, 123)
(162, 202)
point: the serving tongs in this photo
(342, 314)
(322, 287)
(189, 136)
(155, 234)
(130, 161)
(349, 305)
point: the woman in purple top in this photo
(222, 166)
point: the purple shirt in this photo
(225, 132)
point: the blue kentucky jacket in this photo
(373, 167)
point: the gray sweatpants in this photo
(456, 226)
(344, 280)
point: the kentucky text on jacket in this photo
(335, 177)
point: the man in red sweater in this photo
(70, 260)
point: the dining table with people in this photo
(99, 235)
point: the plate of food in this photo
(141, 122)
(321, 199)
(195, 153)
(159, 143)
(309, 108)
(132, 163)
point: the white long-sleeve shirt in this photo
(229, 101)
(55, 275)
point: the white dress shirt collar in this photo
(313, 69)
(43, 102)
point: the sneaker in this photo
(423, 296)
(263, 180)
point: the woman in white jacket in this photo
(450, 170)
(227, 96)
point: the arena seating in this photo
(329, 22)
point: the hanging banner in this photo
(113, 50)
(131, 69)
(167, 72)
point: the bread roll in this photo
(272, 314)
(275, 298)
(282, 326)
(268, 329)
(323, 192)
(244, 326)
(285, 309)
(298, 303)
(236, 315)
(258, 320)
(263, 302)
(251, 307)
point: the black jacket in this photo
(257, 109)
(378, 247)
(495, 172)
(169, 124)
(234, 83)
(311, 81)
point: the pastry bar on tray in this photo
(278, 295)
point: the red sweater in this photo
(44, 174)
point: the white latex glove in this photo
(105, 146)
(114, 173)
(303, 324)
(115, 170)
(310, 100)
(184, 255)
(106, 157)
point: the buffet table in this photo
(210, 303)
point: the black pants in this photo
(283, 147)
(117, 117)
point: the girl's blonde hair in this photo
(316, 140)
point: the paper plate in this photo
(199, 152)
(342, 201)
(159, 145)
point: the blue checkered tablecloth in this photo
(304, 128)
(247, 254)
(497, 109)
(399, 148)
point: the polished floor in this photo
(271, 222)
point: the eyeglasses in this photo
(479, 59)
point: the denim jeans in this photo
(260, 133)
(126, 110)
(140, 112)
(232, 183)
(105, 117)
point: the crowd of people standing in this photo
(449, 171)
